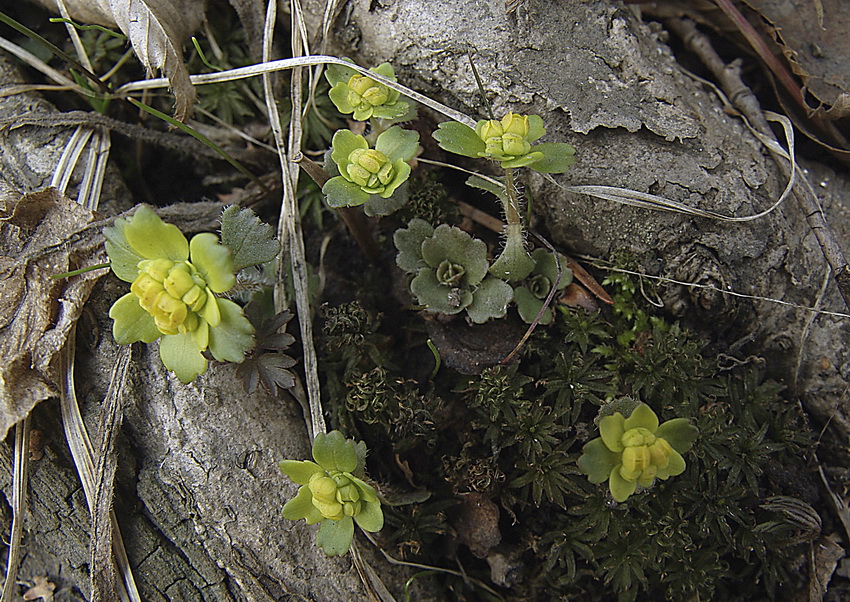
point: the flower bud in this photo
(156, 268)
(635, 460)
(147, 289)
(179, 281)
(169, 313)
(449, 273)
(539, 285)
(515, 124)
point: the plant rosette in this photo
(450, 270)
(636, 450)
(508, 141)
(362, 96)
(531, 295)
(173, 294)
(366, 172)
(332, 494)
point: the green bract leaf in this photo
(620, 488)
(123, 259)
(131, 322)
(408, 241)
(251, 241)
(522, 161)
(180, 354)
(332, 451)
(152, 238)
(299, 471)
(490, 300)
(336, 74)
(344, 143)
(371, 517)
(536, 129)
(611, 430)
(397, 143)
(379, 206)
(334, 536)
(487, 185)
(675, 466)
(679, 433)
(301, 506)
(233, 337)
(557, 157)
(459, 139)
(213, 261)
(529, 306)
(597, 461)
(642, 417)
(342, 193)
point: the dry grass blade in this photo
(289, 232)
(83, 455)
(36, 63)
(19, 493)
(304, 61)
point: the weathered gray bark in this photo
(604, 81)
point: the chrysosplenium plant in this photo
(636, 450)
(333, 493)
(175, 287)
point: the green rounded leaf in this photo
(332, 451)
(213, 261)
(152, 238)
(408, 241)
(529, 306)
(180, 354)
(620, 488)
(557, 157)
(301, 506)
(371, 517)
(339, 192)
(397, 143)
(384, 70)
(131, 322)
(597, 461)
(679, 433)
(379, 206)
(544, 264)
(299, 471)
(334, 536)
(234, 335)
(460, 139)
(611, 429)
(436, 297)
(642, 417)
(490, 300)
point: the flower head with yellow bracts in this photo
(173, 294)
(636, 450)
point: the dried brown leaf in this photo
(42, 590)
(40, 237)
(157, 29)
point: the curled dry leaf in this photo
(41, 235)
(157, 29)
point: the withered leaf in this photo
(43, 234)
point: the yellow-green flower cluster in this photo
(636, 450)
(173, 294)
(362, 96)
(331, 494)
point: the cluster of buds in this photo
(173, 294)
(364, 171)
(331, 494)
(636, 450)
(510, 138)
(362, 96)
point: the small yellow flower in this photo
(636, 450)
